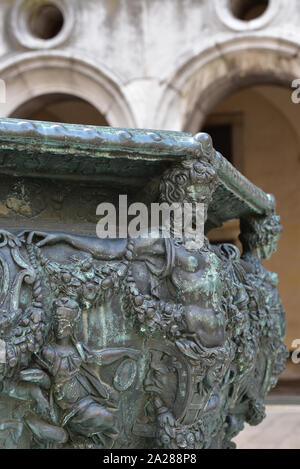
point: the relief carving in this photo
(199, 336)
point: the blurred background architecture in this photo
(221, 66)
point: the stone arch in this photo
(38, 73)
(61, 108)
(207, 78)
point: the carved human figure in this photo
(259, 237)
(85, 405)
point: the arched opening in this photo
(59, 107)
(206, 78)
(256, 128)
(72, 84)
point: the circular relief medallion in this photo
(125, 375)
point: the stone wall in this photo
(147, 63)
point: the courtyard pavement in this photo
(280, 430)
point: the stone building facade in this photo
(225, 66)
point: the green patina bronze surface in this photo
(130, 343)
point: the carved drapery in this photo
(140, 342)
